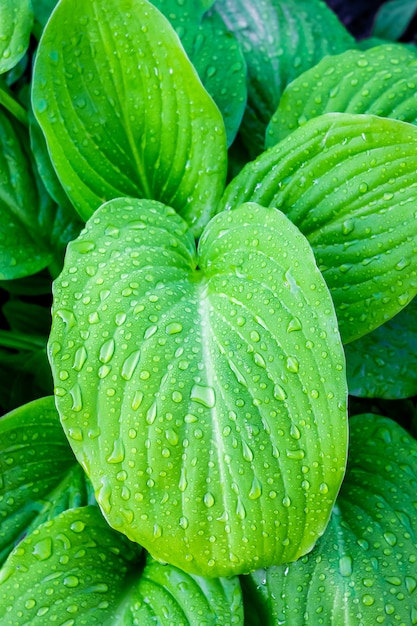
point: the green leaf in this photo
(216, 55)
(363, 570)
(393, 18)
(76, 570)
(349, 183)
(27, 317)
(380, 81)
(22, 248)
(24, 376)
(39, 476)
(140, 124)
(16, 19)
(383, 364)
(204, 394)
(280, 40)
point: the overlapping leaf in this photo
(349, 183)
(76, 569)
(39, 476)
(207, 404)
(363, 570)
(16, 19)
(381, 81)
(215, 53)
(280, 40)
(383, 364)
(124, 112)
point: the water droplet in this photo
(363, 188)
(77, 526)
(255, 490)
(324, 488)
(173, 328)
(294, 325)
(402, 264)
(182, 485)
(103, 494)
(345, 566)
(255, 336)
(137, 400)
(368, 600)
(118, 452)
(151, 414)
(208, 499)
(240, 509)
(67, 317)
(176, 397)
(295, 454)
(286, 501)
(77, 402)
(107, 351)
(71, 581)
(403, 299)
(130, 364)
(80, 358)
(292, 364)
(204, 395)
(43, 549)
(390, 538)
(279, 393)
(294, 432)
(75, 433)
(247, 452)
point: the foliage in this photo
(224, 196)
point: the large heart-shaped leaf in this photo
(280, 40)
(124, 112)
(207, 404)
(349, 183)
(74, 569)
(363, 570)
(381, 81)
(215, 53)
(39, 476)
(16, 19)
(383, 364)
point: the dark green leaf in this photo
(27, 317)
(215, 53)
(16, 19)
(383, 364)
(39, 476)
(280, 40)
(349, 183)
(139, 122)
(363, 570)
(380, 81)
(222, 385)
(393, 18)
(24, 376)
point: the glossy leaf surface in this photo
(16, 19)
(381, 81)
(124, 112)
(280, 40)
(393, 18)
(383, 364)
(207, 404)
(39, 474)
(215, 53)
(76, 570)
(349, 183)
(363, 570)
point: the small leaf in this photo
(142, 124)
(349, 183)
(380, 81)
(16, 19)
(216, 55)
(362, 571)
(383, 364)
(22, 248)
(208, 379)
(393, 18)
(39, 476)
(280, 40)
(75, 569)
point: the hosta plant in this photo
(201, 321)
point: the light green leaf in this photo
(22, 251)
(39, 476)
(139, 123)
(216, 55)
(76, 570)
(280, 40)
(349, 183)
(16, 19)
(363, 570)
(393, 18)
(383, 364)
(204, 394)
(380, 81)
